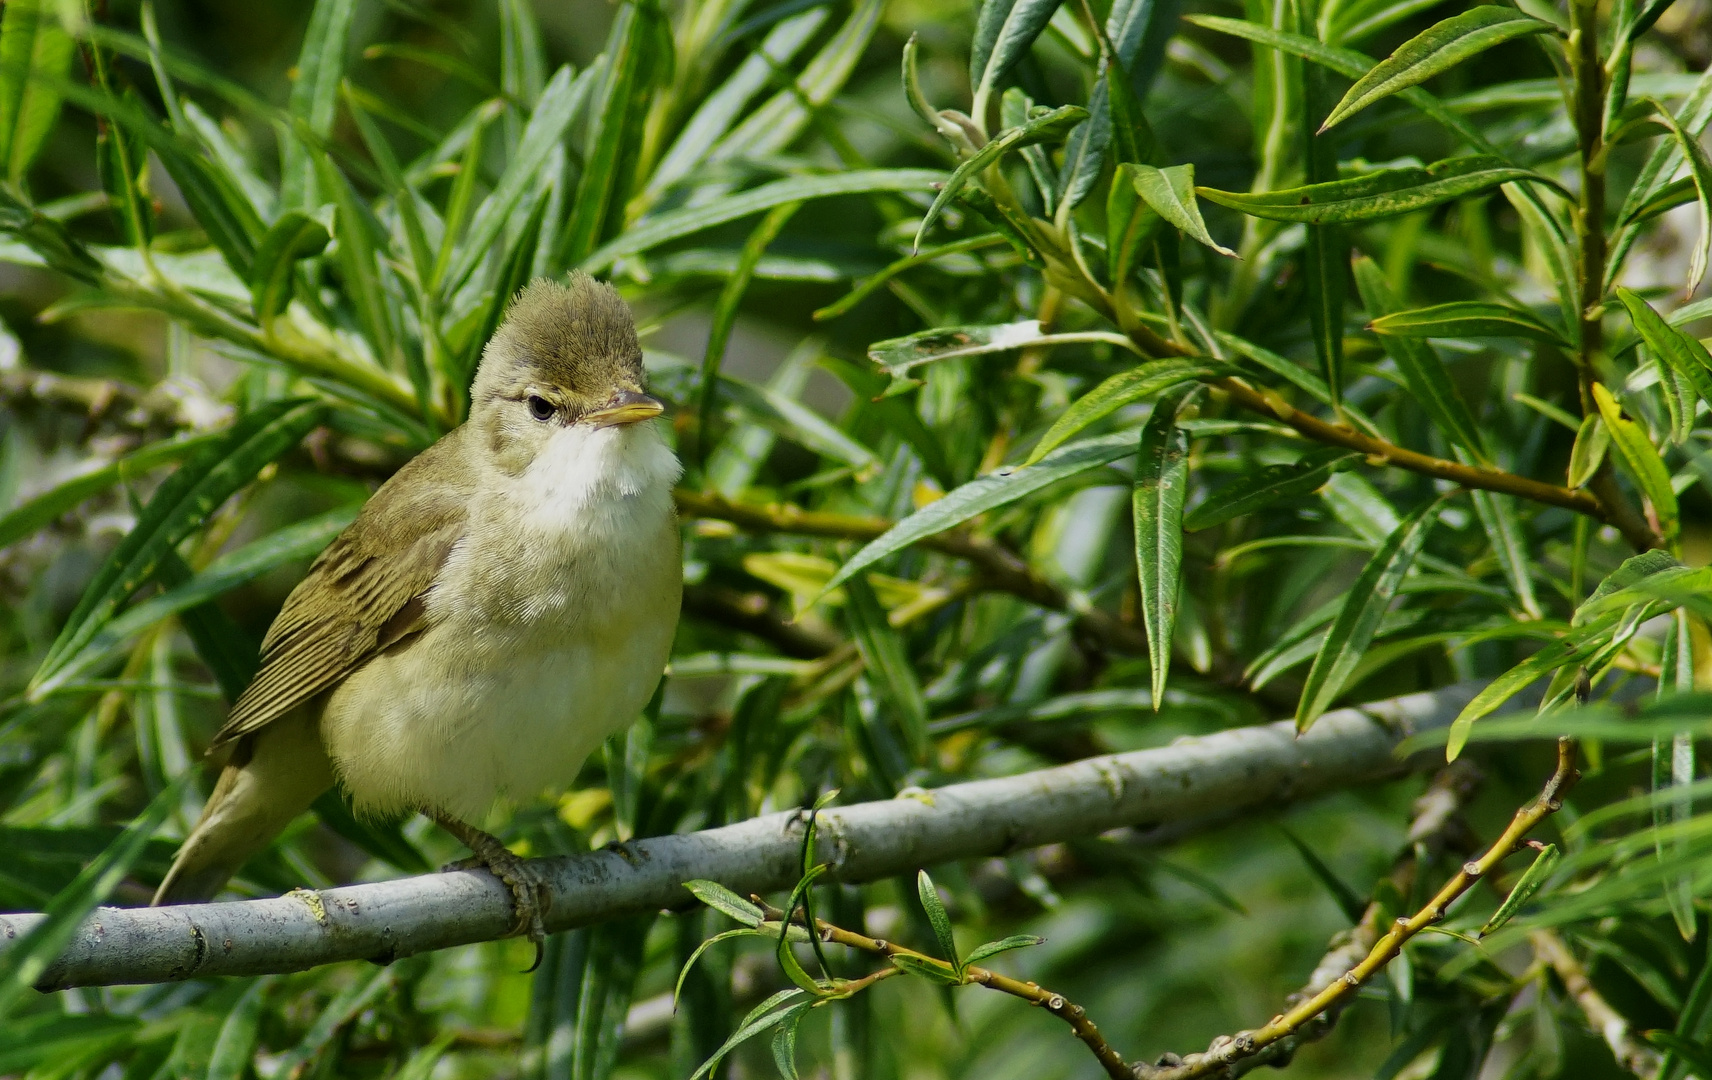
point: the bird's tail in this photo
(272, 777)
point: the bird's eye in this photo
(539, 407)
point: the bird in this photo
(499, 607)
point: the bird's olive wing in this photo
(363, 594)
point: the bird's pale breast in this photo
(549, 626)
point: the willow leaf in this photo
(1121, 389)
(1465, 319)
(1382, 193)
(179, 507)
(1260, 488)
(1161, 485)
(1434, 50)
(987, 493)
(1171, 194)
(1359, 618)
(1642, 459)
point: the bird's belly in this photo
(466, 713)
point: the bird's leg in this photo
(530, 894)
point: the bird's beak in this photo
(626, 407)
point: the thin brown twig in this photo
(1227, 1050)
(1632, 1054)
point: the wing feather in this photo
(364, 593)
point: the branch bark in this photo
(1228, 772)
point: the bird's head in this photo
(565, 360)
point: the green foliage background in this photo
(252, 252)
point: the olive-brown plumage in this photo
(500, 606)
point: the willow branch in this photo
(1380, 452)
(1436, 825)
(1228, 772)
(1632, 1054)
(999, 569)
(1604, 502)
(1227, 1050)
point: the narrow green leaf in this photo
(899, 355)
(1348, 902)
(360, 241)
(777, 123)
(1171, 194)
(302, 540)
(1161, 486)
(1084, 154)
(870, 285)
(769, 1013)
(314, 98)
(1697, 1055)
(1673, 763)
(1429, 384)
(1700, 171)
(560, 102)
(614, 136)
(1269, 484)
(883, 652)
(785, 1041)
(1124, 388)
(1382, 193)
(345, 1006)
(651, 232)
(1048, 127)
(718, 897)
(1004, 30)
(1592, 439)
(1642, 459)
(1434, 50)
(179, 507)
(719, 110)
(994, 948)
(295, 236)
(1678, 349)
(235, 1046)
(987, 493)
(689, 965)
(24, 960)
(35, 55)
(1537, 874)
(1467, 319)
(1554, 240)
(796, 421)
(1571, 649)
(514, 274)
(1498, 518)
(1348, 63)
(725, 316)
(937, 916)
(1353, 629)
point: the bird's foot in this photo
(531, 895)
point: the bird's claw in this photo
(531, 895)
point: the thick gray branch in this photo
(1216, 775)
